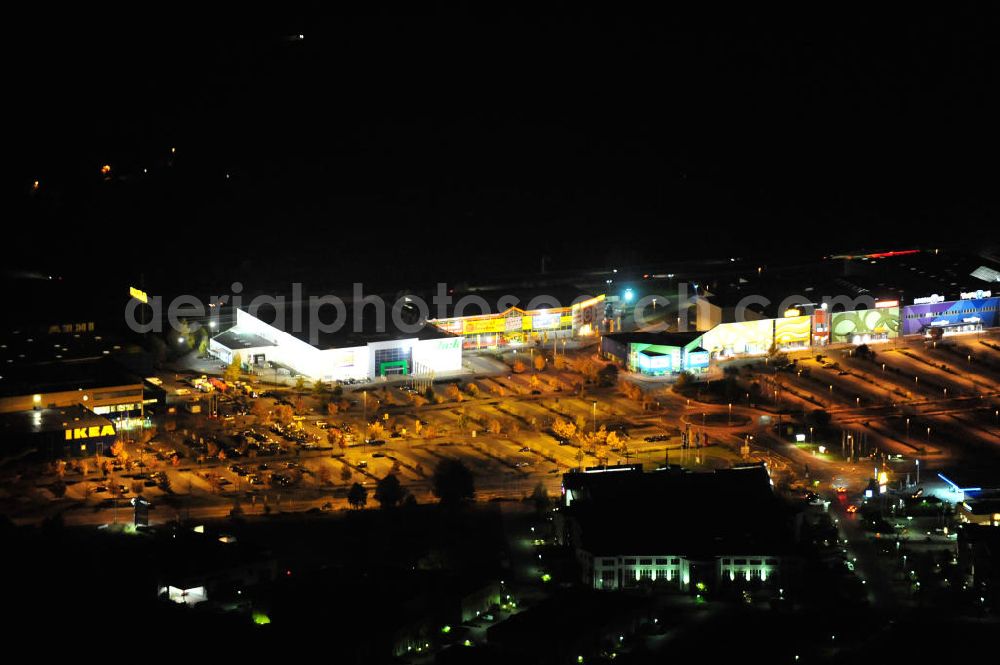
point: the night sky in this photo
(451, 146)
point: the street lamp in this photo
(730, 413)
(364, 413)
(595, 417)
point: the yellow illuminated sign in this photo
(67, 328)
(89, 432)
(478, 326)
(138, 295)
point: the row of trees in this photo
(453, 485)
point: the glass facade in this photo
(394, 360)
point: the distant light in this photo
(629, 295)
(106, 169)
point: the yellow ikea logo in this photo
(89, 432)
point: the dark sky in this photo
(441, 145)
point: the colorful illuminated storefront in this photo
(821, 326)
(656, 354)
(793, 331)
(951, 317)
(750, 338)
(512, 327)
(866, 326)
(587, 317)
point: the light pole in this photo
(595, 417)
(364, 417)
(907, 430)
(918, 471)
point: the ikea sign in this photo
(91, 432)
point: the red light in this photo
(288, 573)
(900, 252)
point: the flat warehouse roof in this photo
(61, 376)
(235, 339)
(38, 421)
(350, 333)
(678, 339)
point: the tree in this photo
(300, 383)
(283, 414)
(453, 482)
(202, 342)
(539, 362)
(518, 367)
(261, 411)
(376, 432)
(338, 391)
(684, 379)
(184, 332)
(563, 429)
(540, 497)
(777, 356)
(819, 418)
(607, 375)
(345, 474)
(320, 387)
(388, 492)
(234, 369)
(357, 496)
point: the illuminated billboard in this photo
(792, 332)
(955, 316)
(743, 338)
(479, 326)
(544, 321)
(865, 326)
(821, 327)
(587, 316)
